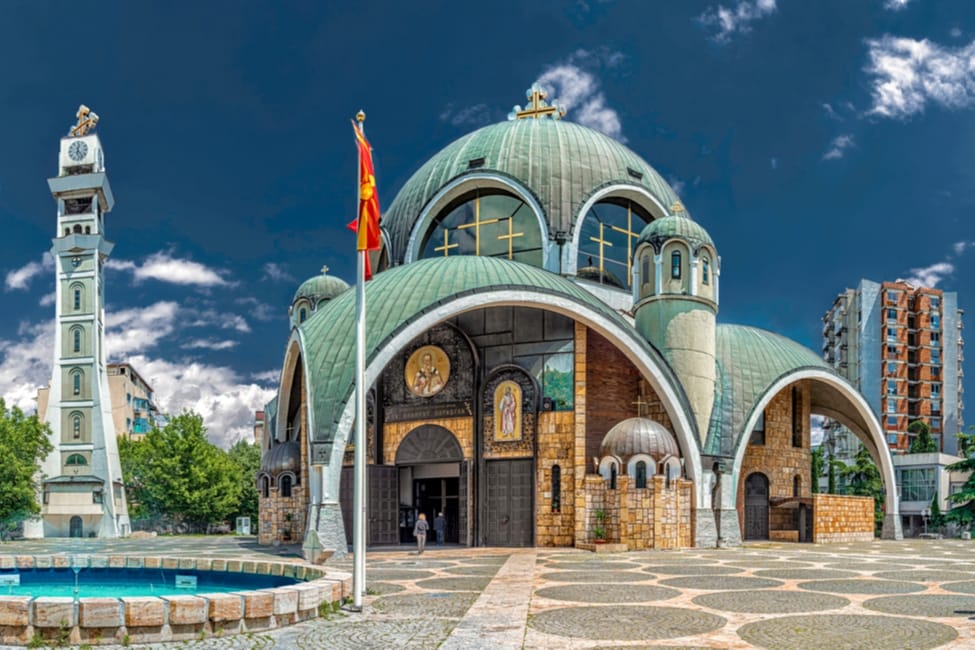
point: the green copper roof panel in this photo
(401, 294)
(660, 230)
(749, 361)
(560, 162)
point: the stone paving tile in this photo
(625, 622)
(854, 586)
(934, 606)
(770, 602)
(607, 593)
(846, 631)
(722, 583)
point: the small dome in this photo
(674, 226)
(283, 457)
(319, 288)
(639, 436)
(593, 274)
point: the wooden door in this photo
(383, 505)
(756, 507)
(507, 508)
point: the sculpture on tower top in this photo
(87, 119)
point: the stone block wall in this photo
(656, 516)
(395, 432)
(839, 518)
(280, 514)
(556, 442)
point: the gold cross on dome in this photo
(476, 225)
(537, 106)
(629, 235)
(640, 406)
(602, 241)
(677, 208)
(446, 246)
(325, 269)
(511, 237)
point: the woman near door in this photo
(420, 532)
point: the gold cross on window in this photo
(602, 241)
(511, 236)
(446, 246)
(629, 235)
(476, 225)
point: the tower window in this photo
(556, 488)
(76, 460)
(87, 230)
(77, 299)
(706, 271)
(302, 315)
(612, 476)
(285, 486)
(641, 474)
(77, 425)
(796, 486)
(265, 487)
(675, 265)
(76, 342)
(796, 419)
(76, 383)
(77, 228)
(67, 231)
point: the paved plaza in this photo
(911, 594)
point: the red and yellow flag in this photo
(366, 225)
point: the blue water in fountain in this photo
(116, 583)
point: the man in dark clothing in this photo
(439, 527)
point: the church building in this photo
(546, 368)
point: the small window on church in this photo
(77, 426)
(758, 433)
(556, 489)
(265, 487)
(796, 418)
(612, 476)
(76, 383)
(76, 343)
(76, 460)
(67, 231)
(645, 286)
(87, 230)
(77, 228)
(796, 486)
(675, 265)
(706, 271)
(77, 299)
(302, 315)
(286, 486)
(641, 474)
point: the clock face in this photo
(78, 150)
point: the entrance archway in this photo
(76, 528)
(433, 478)
(756, 506)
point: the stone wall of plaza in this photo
(555, 513)
(657, 516)
(842, 518)
(94, 621)
(778, 459)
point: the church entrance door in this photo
(76, 527)
(756, 506)
(383, 505)
(507, 508)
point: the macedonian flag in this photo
(366, 225)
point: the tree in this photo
(175, 471)
(24, 443)
(247, 457)
(818, 459)
(922, 443)
(863, 479)
(964, 512)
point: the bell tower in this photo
(83, 495)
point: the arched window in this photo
(706, 271)
(76, 339)
(76, 382)
(76, 425)
(646, 279)
(796, 486)
(302, 315)
(286, 485)
(608, 235)
(613, 472)
(77, 228)
(641, 474)
(556, 488)
(67, 231)
(485, 222)
(265, 487)
(675, 265)
(76, 460)
(87, 230)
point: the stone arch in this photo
(833, 397)
(429, 443)
(293, 371)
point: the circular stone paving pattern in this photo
(446, 605)
(397, 574)
(865, 566)
(468, 583)
(862, 586)
(806, 574)
(383, 588)
(626, 623)
(933, 605)
(472, 570)
(846, 631)
(595, 576)
(608, 593)
(769, 564)
(693, 569)
(770, 602)
(720, 582)
(924, 575)
(594, 565)
(960, 587)
(356, 634)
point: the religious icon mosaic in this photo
(427, 371)
(507, 411)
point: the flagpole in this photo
(359, 469)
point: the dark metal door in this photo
(76, 527)
(756, 507)
(508, 502)
(383, 505)
(462, 492)
(346, 487)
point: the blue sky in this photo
(818, 142)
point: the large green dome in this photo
(562, 164)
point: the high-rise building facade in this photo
(83, 495)
(902, 346)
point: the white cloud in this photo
(955, 32)
(727, 22)
(475, 115)
(930, 276)
(25, 364)
(261, 310)
(20, 278)
(277, 273)
(162, 266)
(960, 246)
(774, 162)
(830, 111)
(896, 5)
(208, 344)
(576, 89)
(816, 430)
(838, 147)
(677, 185)
(47, 299)
(909, 73)
(135, 330)
(226, 401)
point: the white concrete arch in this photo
(463, 184)
(854, 413)
(650, 366)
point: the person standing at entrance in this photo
(420, 532)
(439, 527)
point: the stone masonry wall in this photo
(556, 438)
(656, 516)
(395, 432)
(842, 518)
